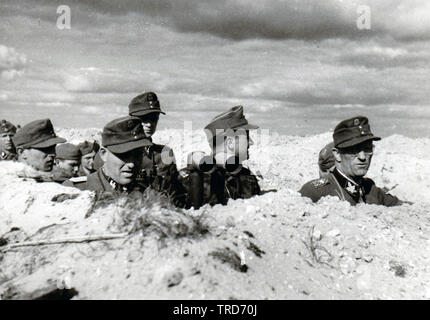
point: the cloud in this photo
(378, 57)
(111, 81)
(12, 63)
(247, 19)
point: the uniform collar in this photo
(115, 185)
(6, 155)
(351, 186)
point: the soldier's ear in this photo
(336, 155)
(103, 153)
(20, 152)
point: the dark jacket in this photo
(217, 187)
(156, 174)
(99, 182)
(337, 185)
(161, 176)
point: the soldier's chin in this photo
(148, 133)
(126, 178)
(360, 172)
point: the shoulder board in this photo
(78, 179)
(319, 182)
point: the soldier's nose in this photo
(361, 155)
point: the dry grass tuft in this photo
(152, 212)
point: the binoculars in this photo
(207, 163)
(204, 166)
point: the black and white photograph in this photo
(224, 150)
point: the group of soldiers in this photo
(127, 160)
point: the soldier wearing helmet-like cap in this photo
(352, 151)
(88, 152)
(326, 160)
(7, 148)
(228, 137)
(35, 144)
(158, 169)
(123, 141)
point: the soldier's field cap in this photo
(144, 104)
(67, 151)
(87, 147)
(124, 134)
(326, 157)
(7, 127)
(37, 134)
(351, 132)
(231, 119)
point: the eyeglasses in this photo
(355, 150)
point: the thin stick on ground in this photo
(64, 240)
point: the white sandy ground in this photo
(292, 248)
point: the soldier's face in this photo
(40, 159)
(6, 141)
(122, 167)
(243, 142)
(70, 167)
(149, 123)
(88, 161)
(355, 161)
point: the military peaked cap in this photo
(37, 134)
(87, 147)
(144, 104)
(351, 132)
(232, 119)
(124, 134)
(7, 127)
(67, 151)
(326, 157)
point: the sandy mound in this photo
(275, 246)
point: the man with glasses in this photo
(352, 151)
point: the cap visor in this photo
(356, 141)
(145, 112)
(48, 143)
(128, 146)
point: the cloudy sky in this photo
(297, 66)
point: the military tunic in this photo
(99, 182)
(335, 184)
(217, 187)
(161, 176)
(157, 174)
